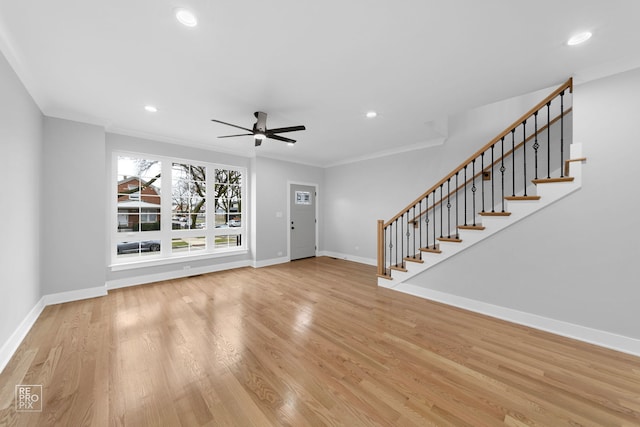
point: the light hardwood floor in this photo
(309, 343)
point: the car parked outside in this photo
(144, 246)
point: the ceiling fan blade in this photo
(240, 134)
(229, 124)
(286, 129)
(281, 138)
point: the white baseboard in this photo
(348, 257)
(12, 344)
(170, 275)
(582, 333)
(268, 262)
(282, 260)
(78, 295)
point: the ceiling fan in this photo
(260, 131)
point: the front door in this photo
(302, 200)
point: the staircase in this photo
(522, 170)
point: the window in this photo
(138, 194)
(198, 212)
(189, 196)
(228, 201)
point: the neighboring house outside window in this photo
(138, 203)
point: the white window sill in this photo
(130, 265)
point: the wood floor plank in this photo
(308, 343)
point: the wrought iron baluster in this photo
(434, 219)
(473, 189)
(390, 245)
(408, 234)
(401, 241)
(524, 155)
(396, 259)
(457, 223)
(493, 203)
(561, 134)
(549, 139)
(513, 162)
(482, 178)
(535, 144)
(502, 169)
(465, 194)
(426, 220)
(419, 229)
(441, 199)
(449, 208)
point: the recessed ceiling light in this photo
(290, 144)
(371, 114)
(186, 17)
(579, 38)
(151, 108)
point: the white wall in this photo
(21, 126)
(74, 207)
(358, 194)
(271, 197)
(575, 261)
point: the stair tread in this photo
(494, 213)
(522, 198)
(393, 267)
(412, 259)
(471, 227)
(551, 180)
(450, 239)
(432, 250)
(382, 276)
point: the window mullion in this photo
(210, 214)
(165, 209)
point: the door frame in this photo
(289, 184)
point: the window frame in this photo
(167, 234)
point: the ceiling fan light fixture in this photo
(579, 38)
(259, 136)
(186, 17)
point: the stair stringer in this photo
(549, 193)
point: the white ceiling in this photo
(322, 64)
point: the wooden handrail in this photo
(381, 266)
(506, 154)
(566, 85)
(568, 162)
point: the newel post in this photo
(381, 269)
